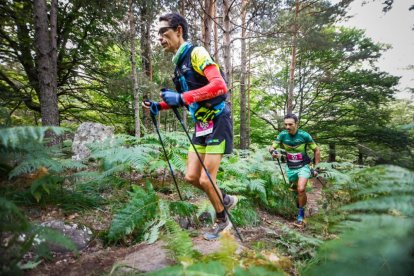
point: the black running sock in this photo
(221, 215)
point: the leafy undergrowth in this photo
(126, 196)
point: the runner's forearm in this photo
(214, 88)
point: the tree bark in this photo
(227, 54)
(243, 121)
(134, 69)
(146, 21)
(332, 153)
(360, 157)
(248, 97)
(226, 44)
(146, 60)
(208, 14)
(45, 44)
(292, 63)
(216, 51)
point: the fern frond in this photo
(141, 208)
(398, 204)
(383, 189)
(258, 185)
(12, 219)
(46, 184)
(205, 206)
(152, 230)
(390, 236)
(15, 136)
(198, 269)
(182, 208)
(179, 243)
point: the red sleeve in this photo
(214, 88)
(164, 105)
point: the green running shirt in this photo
(295, 145)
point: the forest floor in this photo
(98, 259)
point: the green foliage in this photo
(381, 217)
(69, 200)
(245, 214)
(179, 243)
(176, 145)
(226, 255)
(259, 179)
(18, 236)
(141, 208)
(23, 149)
(145, 214)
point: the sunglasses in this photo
(163, 30)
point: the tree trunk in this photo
(227, 54)
(226, 44)
(360, 157)
(208, 14)
(243, 121)
(134, 70)
(248, 97)
(332, 153)
(146, 59)
(216, 51)
(45, 44)
(146, 21)
(182, 12)
(292, 63)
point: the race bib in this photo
(203, 129)
(295, 157)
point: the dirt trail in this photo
(314, 197)
(97, 260)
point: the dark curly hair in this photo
(291, 116)
(175, 20)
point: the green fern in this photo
(245, 214)
(23, 236)
(15, 137)
(182, 208)
(205, 206)
(381, 218)
(44, 185)
(179, 243)
(69, 201)
(141, 208)
(23, 147)
(259, 178)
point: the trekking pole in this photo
(281, 170)
(154, 120)
(177, 114)
(317, 177)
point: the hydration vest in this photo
(186, 79)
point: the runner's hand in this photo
(275, 154)
(172, 98)
(154, 107)
(314, 172)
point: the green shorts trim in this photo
(220, 141)
(294, 174)
(211, 149)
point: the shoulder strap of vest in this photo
(182, 58)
